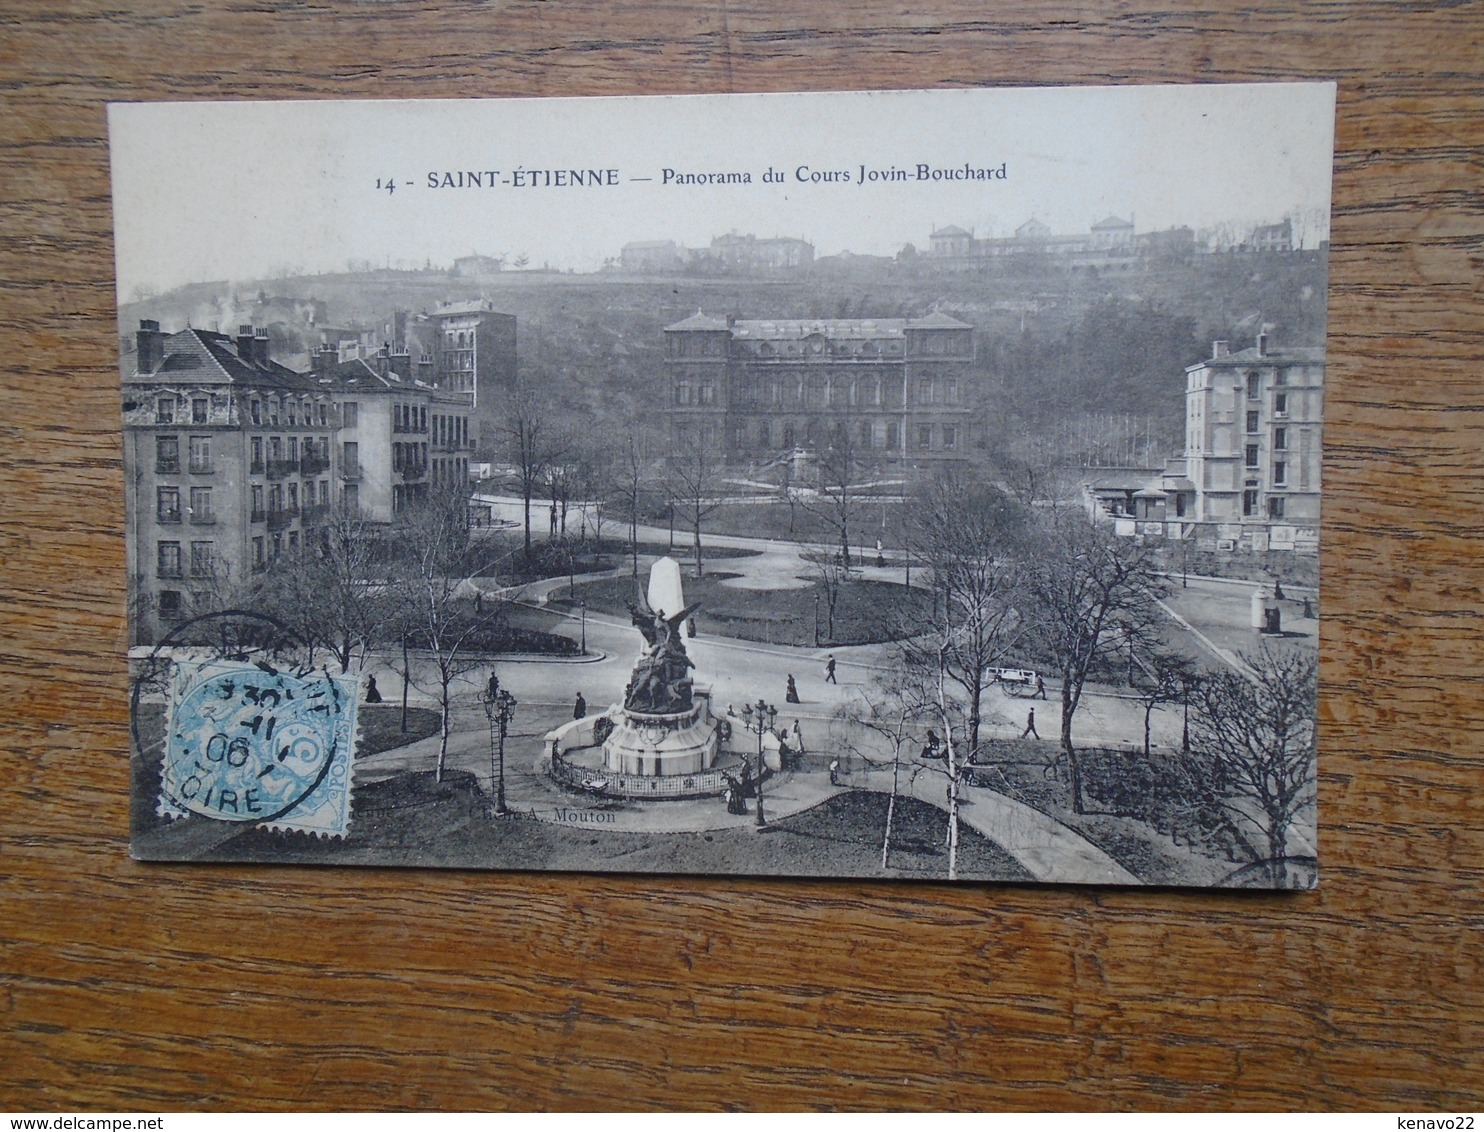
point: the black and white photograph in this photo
(912, 485)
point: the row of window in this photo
(170, 560)
(289, 411)
(1251, 508)
(281, 498)
(168, 408)
(409, 418)
(167, 505)
(770, 391)
(410, 459)
(312, 454)
(1251, 458)
(167, 455)
(885, 435)
(450, 432)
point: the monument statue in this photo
(661, 683)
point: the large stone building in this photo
(1253, 425)
(398, 438)
(468, 347)
(232, 460)
(897, 389)
(1249, 476)
(227, 463)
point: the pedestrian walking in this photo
(579, 709)
(1278, 591)
(930, 749)
(1030, 725)
(834, 772)
(1040, 687)
(798, 738)
(373, 693)
(792, 695)
(492, 689)
(829, 671)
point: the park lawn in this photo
(413, 820)
(866, 611)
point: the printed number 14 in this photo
(389, 184)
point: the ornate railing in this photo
(607, 784)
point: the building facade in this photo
(1249, 476)
(227, 461)
(399, 438)
(898, 390)
(232, 460)
(469, 348)
(1253, 431)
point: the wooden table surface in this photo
(136, 987)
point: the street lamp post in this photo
(816, 617)
(584, 626)
(759, 718)
(499, 708)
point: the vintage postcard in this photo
(912, 485)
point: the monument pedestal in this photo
(645, 743)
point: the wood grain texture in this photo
(131, 986)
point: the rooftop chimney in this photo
(260, 345)
(151, 342)
(1218, 348)
(244, 342)
(1262, 345)
(324, 359)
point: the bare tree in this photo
(1166, 678)
(333, 590)
(832, 493)
(631, 473)
(427, 584)
(1254, 734)
(893, 712)
(968, 535)
(530, 438)
(695, 486)
(1092, 593)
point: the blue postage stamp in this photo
(252, 743)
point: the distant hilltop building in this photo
(1271, 238)
(894, 389)
(1112, 244)
(728, 254)
(477, 266)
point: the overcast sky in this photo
(215, 190)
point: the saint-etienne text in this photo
(507, 178)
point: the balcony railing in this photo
(201, 468)
(313, 465)
(351, 472)
(258, 515)
(316, 513)
(414, 471)
(167, 467)
(277, 469)
(202, 518)
(168, 516)
(255, 468)
(169, 572)
(278, 520)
